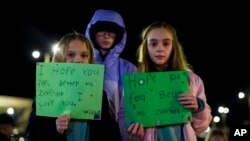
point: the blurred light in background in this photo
(241, 95)
(55, 48)
(222, 109)
(216, 119)
(36, 54)
(21, 139)
(10, 111)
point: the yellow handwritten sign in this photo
(69, 88)
(151, 98)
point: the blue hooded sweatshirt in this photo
(115, 66)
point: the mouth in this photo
(106, 42)
(159, 57)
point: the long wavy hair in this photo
(60, 55)
(177, 60)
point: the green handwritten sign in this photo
(151, 98)
(69, 88)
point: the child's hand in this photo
(188, 101)
(62, 123)
(136, 130)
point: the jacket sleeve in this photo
(201, 119)
(42, 128)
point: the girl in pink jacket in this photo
(160, 50)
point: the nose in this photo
(160, 48)
(77, 59)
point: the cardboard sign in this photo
(69, 88)
(151, 98)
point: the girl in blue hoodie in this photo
(107, 32)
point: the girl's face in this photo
(105, 39)
(159, 45)
(77, 52)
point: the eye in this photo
(101, 33)
(153, 44)
(112, 34)
(165, 44)
(84, 55)
(71, 55)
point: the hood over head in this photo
(106, 26)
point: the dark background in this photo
(215, 37)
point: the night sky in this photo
(215, 38)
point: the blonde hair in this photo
(60, 55)
(177, 60)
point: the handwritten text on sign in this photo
(69, 88)
(151, 98)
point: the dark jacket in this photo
(42, 128)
